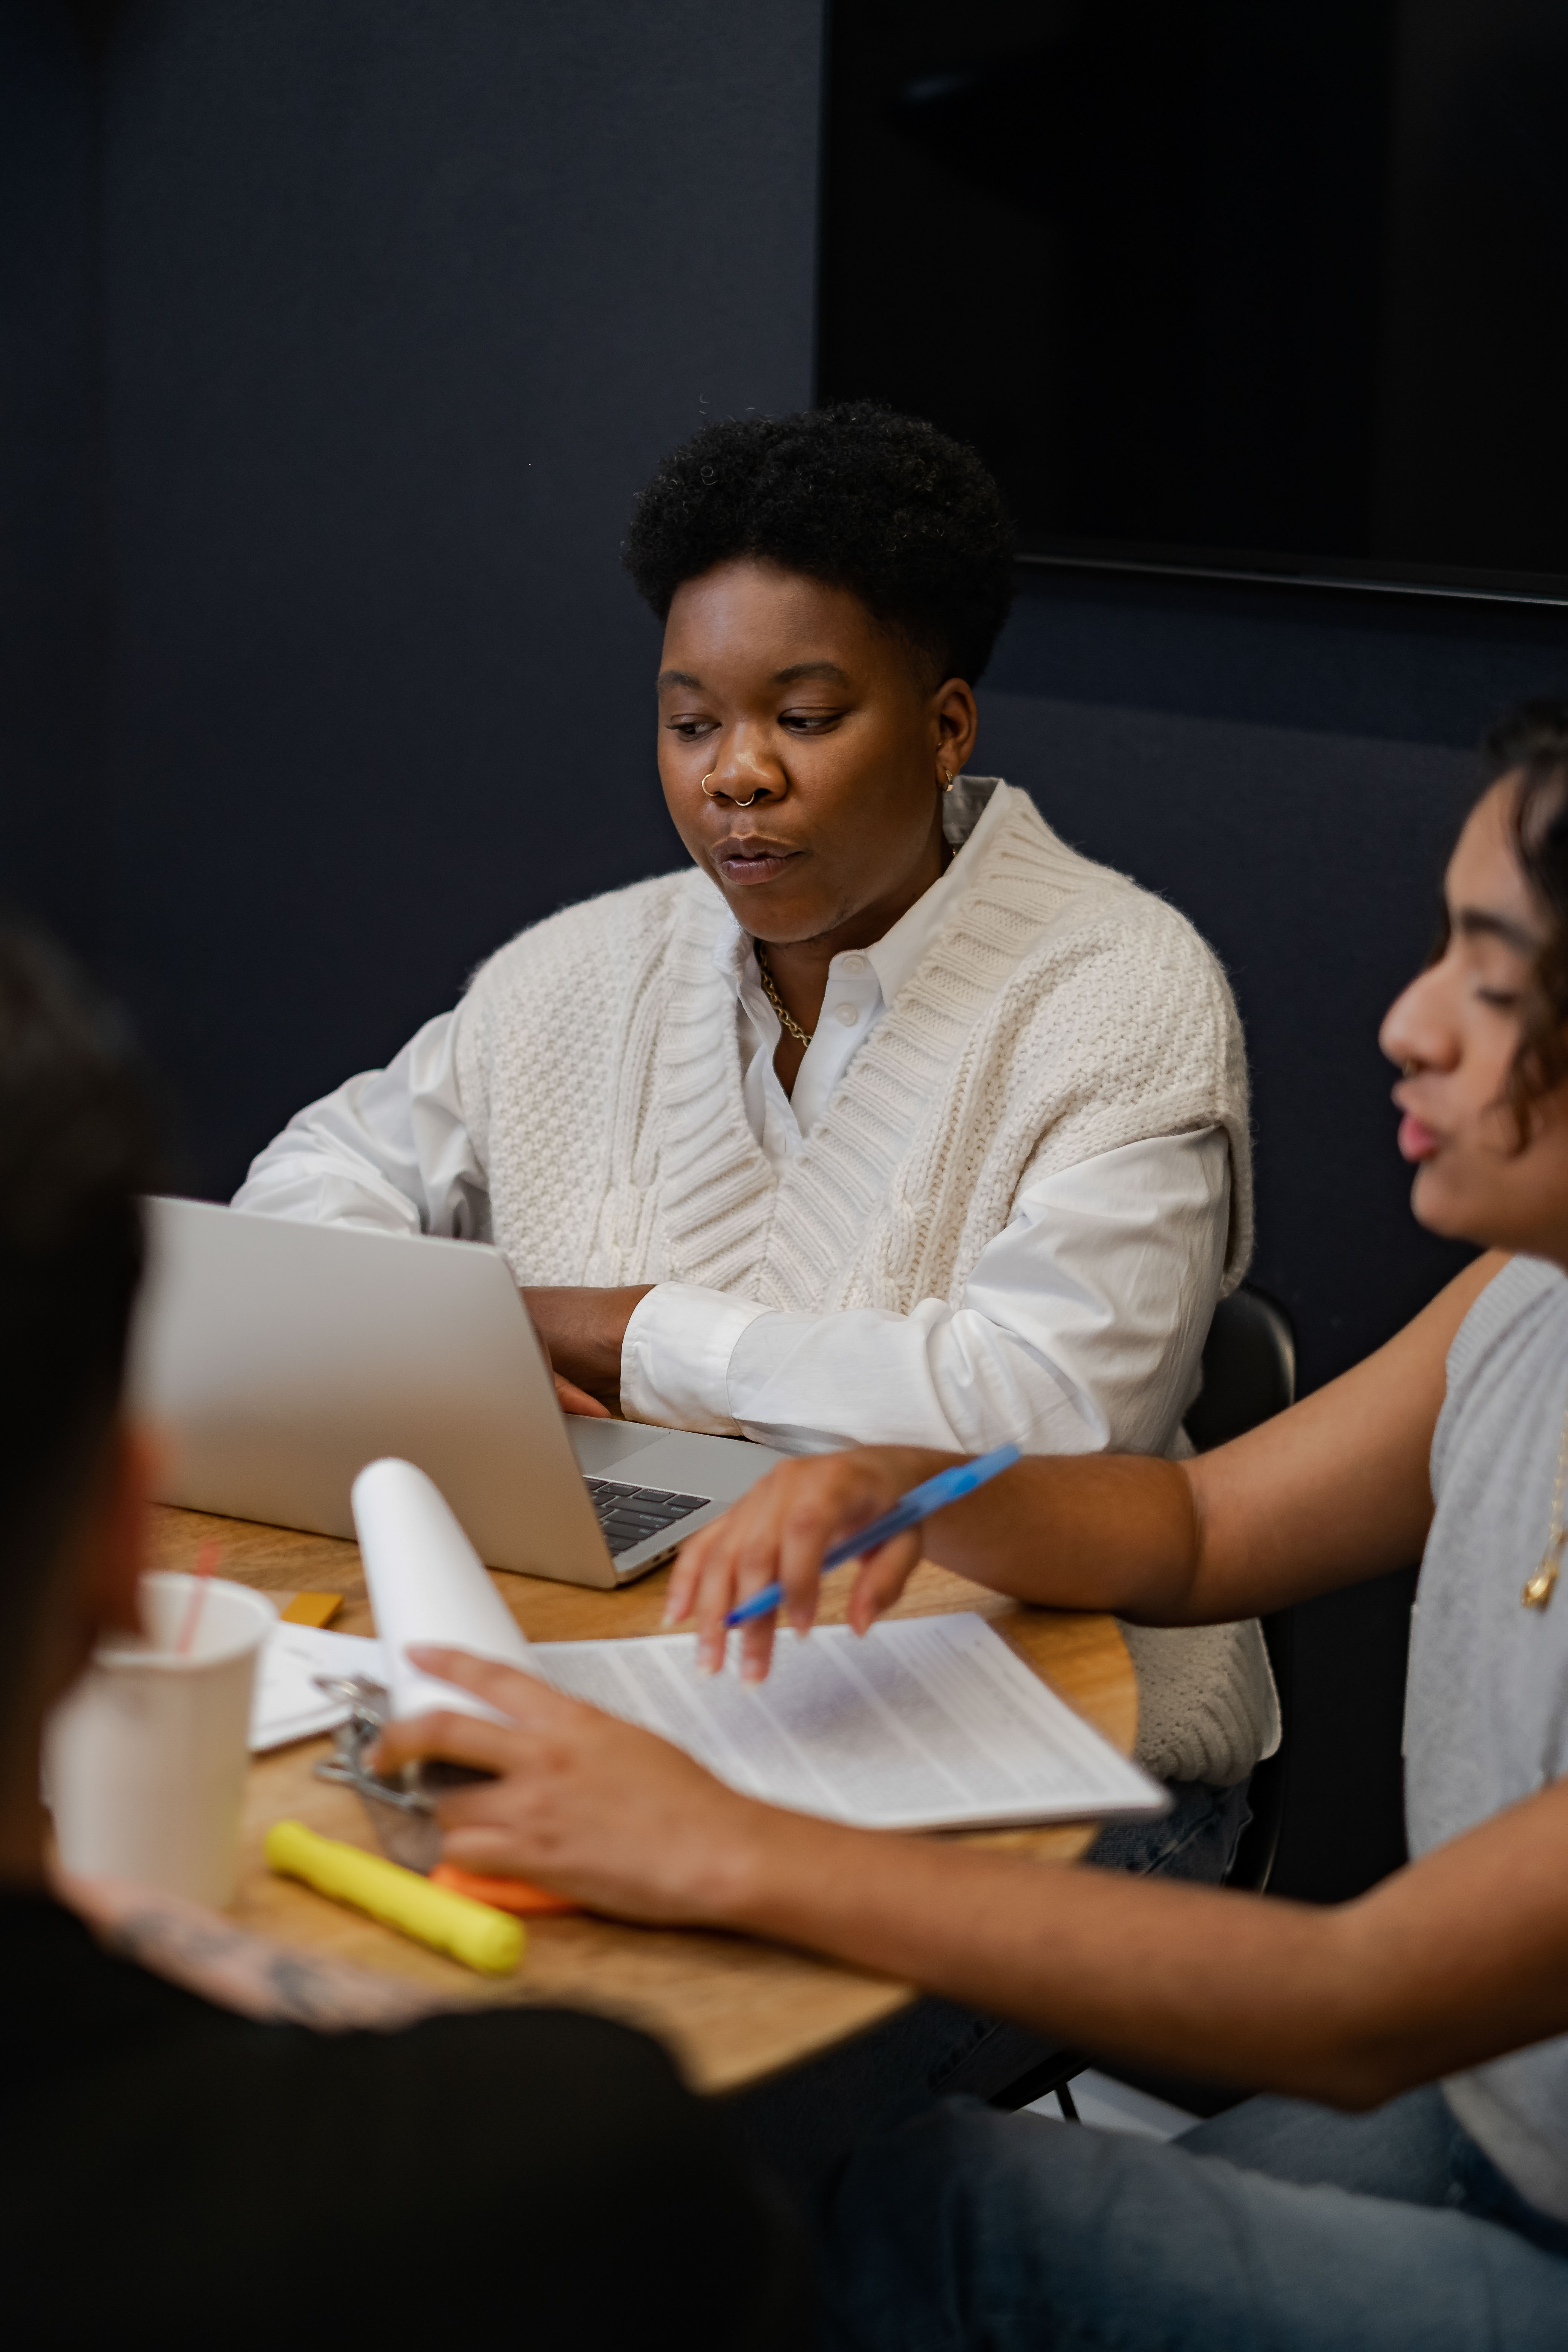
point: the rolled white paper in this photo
(427, 1583)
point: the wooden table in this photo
(732, 2009)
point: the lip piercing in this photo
(723, 796)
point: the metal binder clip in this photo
(399, 1811)
(402, 1813)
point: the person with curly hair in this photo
(891, 1118)
(1400, 2177)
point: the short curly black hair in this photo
(1530, 744)
(908, 520)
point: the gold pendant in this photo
(1538, 1590)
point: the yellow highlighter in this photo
(471, 1932)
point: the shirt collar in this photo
(970, 813)
(969, 816)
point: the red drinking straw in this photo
(207, 1559)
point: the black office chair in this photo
(1248, 1376)
(1249, 1369)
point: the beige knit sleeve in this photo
(1170, 1057)
(1206, 1704)
(1117, 1027)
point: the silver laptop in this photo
(277, 1359)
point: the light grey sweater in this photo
(1488, 1707)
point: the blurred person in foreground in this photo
(1403, 2178)
(206, 2139)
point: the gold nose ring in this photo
(722, 797)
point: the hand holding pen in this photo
(766, 1557)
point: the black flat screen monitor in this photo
(1221, 285)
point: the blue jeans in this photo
(807, 2120)
(1196, 1839)
(1279, 2227)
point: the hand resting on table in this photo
(581, 1803)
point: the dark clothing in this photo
(173, 2174)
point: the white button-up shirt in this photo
(1079, 1329)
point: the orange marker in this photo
(500, 1894)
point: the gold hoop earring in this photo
(947, 781)
(724, 796)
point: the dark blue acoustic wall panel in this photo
(406, 298)
(52, 578)
(1290, 768)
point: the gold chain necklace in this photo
(802, 1036)
(1538, 1589)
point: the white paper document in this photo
(285, 1704)
(927, 1723)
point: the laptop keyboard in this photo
(628, 1514)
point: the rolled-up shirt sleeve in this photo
(389, 1148)
(1080, 1329)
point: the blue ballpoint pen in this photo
(917, 1504)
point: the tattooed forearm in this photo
(239, 1970)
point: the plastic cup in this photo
(145, 1758)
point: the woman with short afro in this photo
(890, 1118)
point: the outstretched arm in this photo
(1454, 1960)
(1078, 1328)
(1331, 1492)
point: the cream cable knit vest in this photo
(1060, 1012)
